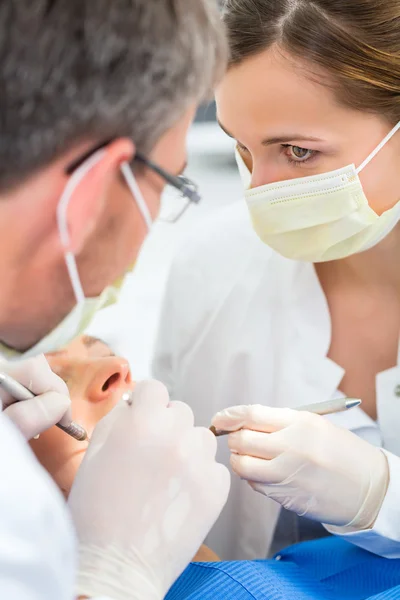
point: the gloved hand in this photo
(51, 405)
(146, 495)
(307, 464)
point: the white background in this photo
(130, 326)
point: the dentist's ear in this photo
(92, 191)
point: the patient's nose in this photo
(112, 375)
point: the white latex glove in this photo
(51, 405)
(146, 495)
(307, 464)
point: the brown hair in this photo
(355, 42)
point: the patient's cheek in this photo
(60, 455)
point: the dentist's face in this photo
(96, 380)
(36, 290)
(287, 124)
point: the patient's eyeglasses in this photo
(178, 195)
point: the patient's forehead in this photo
(85, 346)
(96, 344)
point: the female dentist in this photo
(312, 311)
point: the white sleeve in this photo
(37, 543)
(384, 537)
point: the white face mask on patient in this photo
(319, 218)
(85, 309)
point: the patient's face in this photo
(96, 380)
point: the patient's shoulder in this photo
(205, 554)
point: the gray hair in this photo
(72, 70)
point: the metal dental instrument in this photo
(321, 408)
(127, 397)
(20, 393)
(331, 406)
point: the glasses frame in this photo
(186, 187)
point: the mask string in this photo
(378, 148)
(62, 215)
(132, 184)
(62, 223)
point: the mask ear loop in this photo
(62, 215)
(62, 222)
(132, 184)
(378, 148)
(364, 164)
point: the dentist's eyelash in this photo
(299, 161)
(285, 149)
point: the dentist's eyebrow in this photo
(284, 139)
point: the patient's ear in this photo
(92, 193)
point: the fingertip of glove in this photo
(57, 404)
(149, 394)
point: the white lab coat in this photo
(37, 540)
(243, 325)
(37, 544)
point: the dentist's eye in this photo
(300, 153)
(297, 154)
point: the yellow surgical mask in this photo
(85, 309)
(319, 218)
